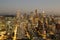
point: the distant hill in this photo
(1, 14)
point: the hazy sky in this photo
(29, 5)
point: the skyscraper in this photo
(18, 14)
(36, 14)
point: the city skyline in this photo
(29, 5)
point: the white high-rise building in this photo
(44, 15)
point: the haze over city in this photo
(49, 6)
(29, 19)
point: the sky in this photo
(29, 5)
